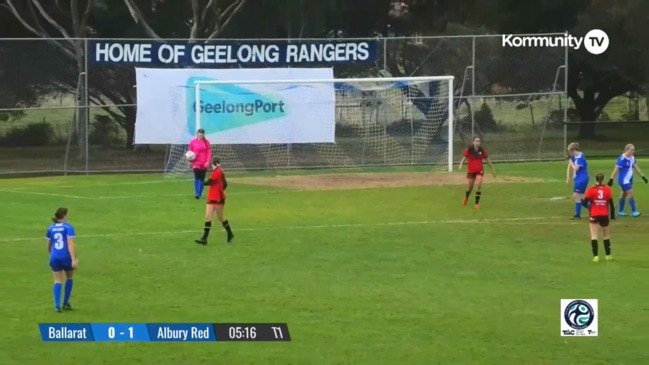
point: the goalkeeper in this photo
(203, 151)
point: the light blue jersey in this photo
(625, 173)
(58, 234)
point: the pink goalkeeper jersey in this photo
(203, 151)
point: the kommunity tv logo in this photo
(595, 41)
(228, 106)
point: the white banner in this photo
(244, 113)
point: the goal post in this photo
(386, 121)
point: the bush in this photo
(103, 131)
(31, 135)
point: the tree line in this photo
(593, 81)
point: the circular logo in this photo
(596, 41)
(579, 314)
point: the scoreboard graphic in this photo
(164, 332)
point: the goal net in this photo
(379, 122)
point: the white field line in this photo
(189, 194)
(506, 221)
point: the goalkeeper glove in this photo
(610, 182)
(645, 179)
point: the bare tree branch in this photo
(49, 19)
(207, 10)
(195, 19)
(74, 11)
(137, 15)
(9, 5)
(228, 14)
(85, 16)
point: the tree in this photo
(41, 20)
(594, 80)
(63, 24)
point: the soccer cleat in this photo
(230, 237)
(477, 206)
(576, 217)
(465, 201)
(621, 214)
(201, 241)
(58, 310)
(637, 214)
(67, 307)
(596, 259)
(609, 258)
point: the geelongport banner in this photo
(232, 53)
(239, 108)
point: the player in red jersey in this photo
(600, 201)
(215, 201)
(474, 155)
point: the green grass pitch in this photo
(372, 276)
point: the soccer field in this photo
(398, 272)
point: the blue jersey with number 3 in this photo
(58, 234)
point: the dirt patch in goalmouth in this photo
(371, 180)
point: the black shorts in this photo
(603, 221)
(473, 175)
(216, 202)
(199, 174)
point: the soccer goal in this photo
(378, 122)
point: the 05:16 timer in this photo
(242, 333)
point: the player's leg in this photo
(224, 222)
(199, 178)
(470, 178)
(577, 196)
(58, 276)
(69, 274)
(478, 189)
(629, 195)
(622, 201)
(594, 236)
(209, 215)
(606, 235)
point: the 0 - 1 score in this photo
(111, 332)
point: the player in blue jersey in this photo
(624, 168)
(63, 258)
(578, 169)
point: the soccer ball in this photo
(190, 156)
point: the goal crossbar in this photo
(418, 79)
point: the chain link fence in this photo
(514, 98)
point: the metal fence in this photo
(514, 98)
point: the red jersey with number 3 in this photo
(216, 191)
(474, 159)
(599, 197)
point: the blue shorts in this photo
(61, 265)
(626, 187)
(580, 186)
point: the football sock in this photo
(478, 195)
(578, 209)
(57, 295)
(607, 247)
(632, 204)
(68, 291)
(621, 205)
(196, 186)
(467, 194)
(584, 204)
(226, 225)
(206, 230)
(200, 187)
(595, 246)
